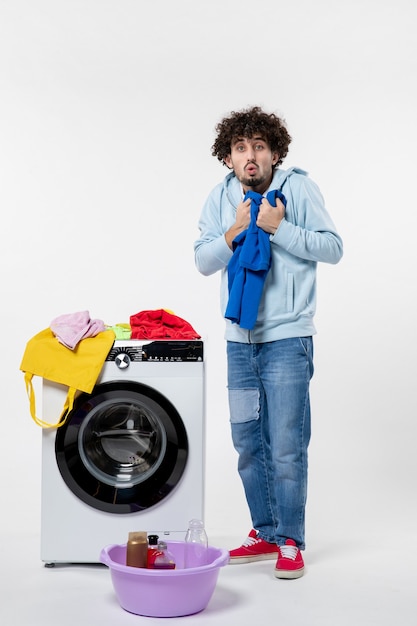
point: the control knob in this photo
(122, 360)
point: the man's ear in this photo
(275, 158)
(228, 161)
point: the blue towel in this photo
(249, 265)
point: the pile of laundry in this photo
(71, 328)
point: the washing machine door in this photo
(123, 448)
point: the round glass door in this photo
(123, 448)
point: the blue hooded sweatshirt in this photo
(306, 236)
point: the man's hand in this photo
(270, 217)
(242, 222)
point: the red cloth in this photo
(159, 324)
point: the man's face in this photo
(253, 162)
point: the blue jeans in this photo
(270, 421)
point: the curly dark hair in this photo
(248, 123)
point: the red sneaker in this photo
(253, 549)
(290, 562)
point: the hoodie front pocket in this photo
(290, 293)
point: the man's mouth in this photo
(251, 169)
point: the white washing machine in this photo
(130, 455)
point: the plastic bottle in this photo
(137, 549)
(163, 558)
(196, 544)
(152, 549)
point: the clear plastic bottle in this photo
(196, 544)
(163, 558)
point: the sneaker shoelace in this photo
(250, 541)
(289, 552)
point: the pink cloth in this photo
(71, 328)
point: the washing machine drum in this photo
(123, 448)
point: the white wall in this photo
(107, 115)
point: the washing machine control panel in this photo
(123, 353)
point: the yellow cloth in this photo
(77, 369)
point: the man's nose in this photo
(251, 154)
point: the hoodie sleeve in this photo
(211, 251)
(307, 231)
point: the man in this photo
(265, 229)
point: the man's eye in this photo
(240, 148)
(259, 146)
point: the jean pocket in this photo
(243, 405)
(307, 347)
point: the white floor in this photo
(348, 582)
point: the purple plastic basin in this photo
(164, 593)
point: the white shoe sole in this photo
(289, 574)
(237, 560)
